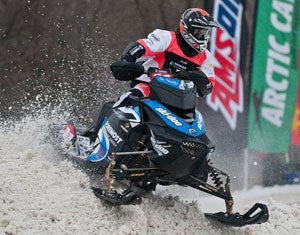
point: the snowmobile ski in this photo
(130, 196)
(239, 220)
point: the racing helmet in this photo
(195, 27)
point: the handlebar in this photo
(152, 72)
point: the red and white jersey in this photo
(163, 51)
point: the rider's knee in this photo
(141, 90)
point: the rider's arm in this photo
(203, 84)
(132, 52)
(207, 68)
(156, 42)
(204, 78)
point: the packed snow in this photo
(43, 193)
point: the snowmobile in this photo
(160, 140)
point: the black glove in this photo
(204, 86)
(126, 71)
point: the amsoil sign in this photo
(227, 95)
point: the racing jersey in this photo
(163, 51)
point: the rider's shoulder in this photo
(208, 54)
(161, 35)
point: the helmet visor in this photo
(201, 33)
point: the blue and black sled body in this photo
(160, 140)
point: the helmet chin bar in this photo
(198, 45)
(203, 46)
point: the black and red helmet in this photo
(195, 27)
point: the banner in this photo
(227, 96)
(225, 106)
(296, 120)
(274, 86)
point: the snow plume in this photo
(42, 193)
(77, 83)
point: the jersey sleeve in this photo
(208, 68)
(156, 42)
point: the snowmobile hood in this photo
(194, 129)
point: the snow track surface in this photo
(41, 193)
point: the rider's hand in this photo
(126, 71)
(204, 86)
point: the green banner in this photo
(274, 82)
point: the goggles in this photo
(201, 33)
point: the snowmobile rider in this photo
(183, 52)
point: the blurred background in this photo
(45, 44)
(58, 52)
